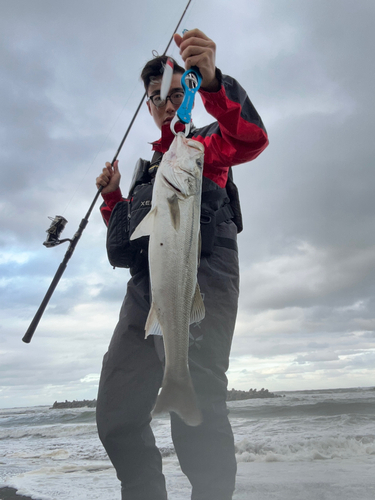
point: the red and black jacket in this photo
(237, 136)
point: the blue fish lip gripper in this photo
(191, 81)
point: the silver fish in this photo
(173, 224)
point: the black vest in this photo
(218, 205)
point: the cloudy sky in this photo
(69, 85)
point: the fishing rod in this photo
(59, 222)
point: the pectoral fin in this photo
(197, 308)
(152, 324)
(174, 211)
(145, 227)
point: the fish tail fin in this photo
(179, 396)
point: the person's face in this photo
(165, 114)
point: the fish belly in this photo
(173, 272)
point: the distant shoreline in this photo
(233, 395)
(85, 403)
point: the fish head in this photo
(183, 166)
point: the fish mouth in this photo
(195, 144)
(172, 186)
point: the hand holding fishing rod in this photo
(109, 179)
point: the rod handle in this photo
(33, 325)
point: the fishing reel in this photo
(54, 231)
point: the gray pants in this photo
(132, 374)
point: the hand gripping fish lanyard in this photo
(58, 224)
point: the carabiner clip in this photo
(191, 81)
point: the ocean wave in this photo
(47, 431)
(294, 408)
(60, 454)
(69, 469)
(305, 450)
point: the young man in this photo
(132, 368)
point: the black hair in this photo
(155, 68)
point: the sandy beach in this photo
(285, 481)
(335, 480)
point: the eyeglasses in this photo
(175, 97)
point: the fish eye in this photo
(199, 163)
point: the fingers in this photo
(189, 34)
(204, 44)
(177, 39)
(110, 170)
(195, 55)
(103, 179)
(115, 167)
(108, 173)
(197, 49)
(195, 33)
(194, 37)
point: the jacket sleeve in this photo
(238, 135)
(109, 203)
